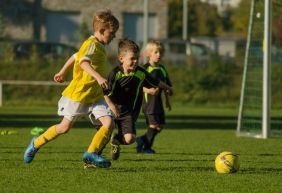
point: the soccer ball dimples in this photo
(227, 162)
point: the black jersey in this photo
(126, 90)
(152, 104)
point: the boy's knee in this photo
(107, 122)
(156, 127)
(63, 127)
(129, 138)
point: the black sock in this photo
(118, 139)
(150, 135)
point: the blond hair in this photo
(154, 44)
(105, 20)
(125, 45)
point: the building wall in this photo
(85, 10)
(223, 4)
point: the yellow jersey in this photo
(83, 87)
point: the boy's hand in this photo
(154, 91)
(59, 77)
(112, 106)
(169, 91)
(102, 82)
(115, 110)
(168, 106)
(151, 91)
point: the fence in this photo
(26, 82)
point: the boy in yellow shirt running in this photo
(84, 94)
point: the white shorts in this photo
(72, 110)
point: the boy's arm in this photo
(85, 65)
(60, 76)
(108, 92)
(167, 101)
(166, 88)
(157, 83)
(112, 106)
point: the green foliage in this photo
(203, 19)
(2, 27)
(240, 18)
(184, 163)
(34, 69)
(83, 32)
(277, 28)
(215, 83)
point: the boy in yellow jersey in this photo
(84, 94)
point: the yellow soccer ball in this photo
(227, 162)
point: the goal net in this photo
(254, 110)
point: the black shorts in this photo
(155, 119)
(126, 124)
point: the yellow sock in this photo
(48, 135)
(100, 139)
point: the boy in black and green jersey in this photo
(152, 104)
(125, 89)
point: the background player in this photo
(152, 103)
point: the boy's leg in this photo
(97, 126)
(155, 122)
(92, 157)
(150, 136)
(100, 139)
(52, 132)
(44, 138)
(116, 141)
(125, 136)
(142, 140)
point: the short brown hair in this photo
(126, 45)
(105, 20)
(154, 43)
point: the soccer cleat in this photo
(88, 166)
(95, 160)
(140, 144)
(101, 151)
(148, 151)
(115, 151)
(30, 151)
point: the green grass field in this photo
(184, 163)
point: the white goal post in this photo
(264, 131)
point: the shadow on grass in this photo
(162, 169)
(260, 170)
(173, 121)
(30, 120)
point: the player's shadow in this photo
(161, 169)
(260, 170)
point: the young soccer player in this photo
(84, 94)
(125, 89)
(152, 103)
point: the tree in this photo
(2, 27)
(203, 19)
(277, 28)
(240, 18)
(83, 31)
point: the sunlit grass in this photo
(184, 163)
